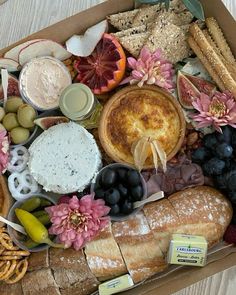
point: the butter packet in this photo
(116, 285)
(187, 250)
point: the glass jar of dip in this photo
(42, 81)
(78, 103)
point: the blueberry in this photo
(232, 196)
(233, 138)
(225, 136)
(200, 155)
(123, 190)
(210, 141)
(108, 178)
(99, 193)
(133, 178)
(214, 166)
(230, 164)
(224, 150)
(115, 209)
(222, 181)
(121, 173)
(127, 207)
(231, 181)
(137, 193)
(112, 196)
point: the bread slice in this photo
(122, 20)
(141, 253)
(171, 39)
(104, 257)
(6, 200)
(38, 260)
(134, 43)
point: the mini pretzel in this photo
(4, 267)
(10, 271)
(17, 253)
(20, 271)
(6, 242)
(10, 257)
(22, 185)
(19, 157)
(1, 250)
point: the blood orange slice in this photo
(104, 68)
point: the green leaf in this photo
(195, 7)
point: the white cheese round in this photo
(64, 158)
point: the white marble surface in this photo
(20, 18)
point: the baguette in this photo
(213, 58)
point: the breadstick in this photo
(213, 58)
(219, 39)
(205, 62)
(228, 65)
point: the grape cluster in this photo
(217, 157)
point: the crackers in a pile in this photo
(13, 261)
(154, 27)
(214, 52)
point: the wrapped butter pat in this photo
(116, 285)
(187, 250)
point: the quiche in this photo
(6, 200)
(133, 113)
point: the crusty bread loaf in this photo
(104, 257)
(142, 255)
(6, 200)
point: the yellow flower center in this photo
(78, 220)
(217, 108)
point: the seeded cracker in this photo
(145, 15)
(131, 31)
(134, 43)
(219, 39)
(171, 39)
(123, 20)
(206, 63)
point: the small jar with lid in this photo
(78, 103)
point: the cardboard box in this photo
(223, 256)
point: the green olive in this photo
(19, 135)
(12, 104)
(26, 115)
(10, 121)
(2, 127)
(2, 113)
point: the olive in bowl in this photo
(120, 186)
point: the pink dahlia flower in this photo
(151, 68)
(4, 151)
(218, 110)
(78, 221)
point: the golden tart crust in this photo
(135, 112)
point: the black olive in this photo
(122, 174)
(123, 190)
(112, 196)
(108, 178)
(133, 178)
(127, 207)
(115, 209)
(137, 193)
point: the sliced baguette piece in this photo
(171, 39)
(219, 39)
(104, 257)
(213, 58)
(197, 50)
(6, 199)
(141, 253)
(122, 20)
(134, 43)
